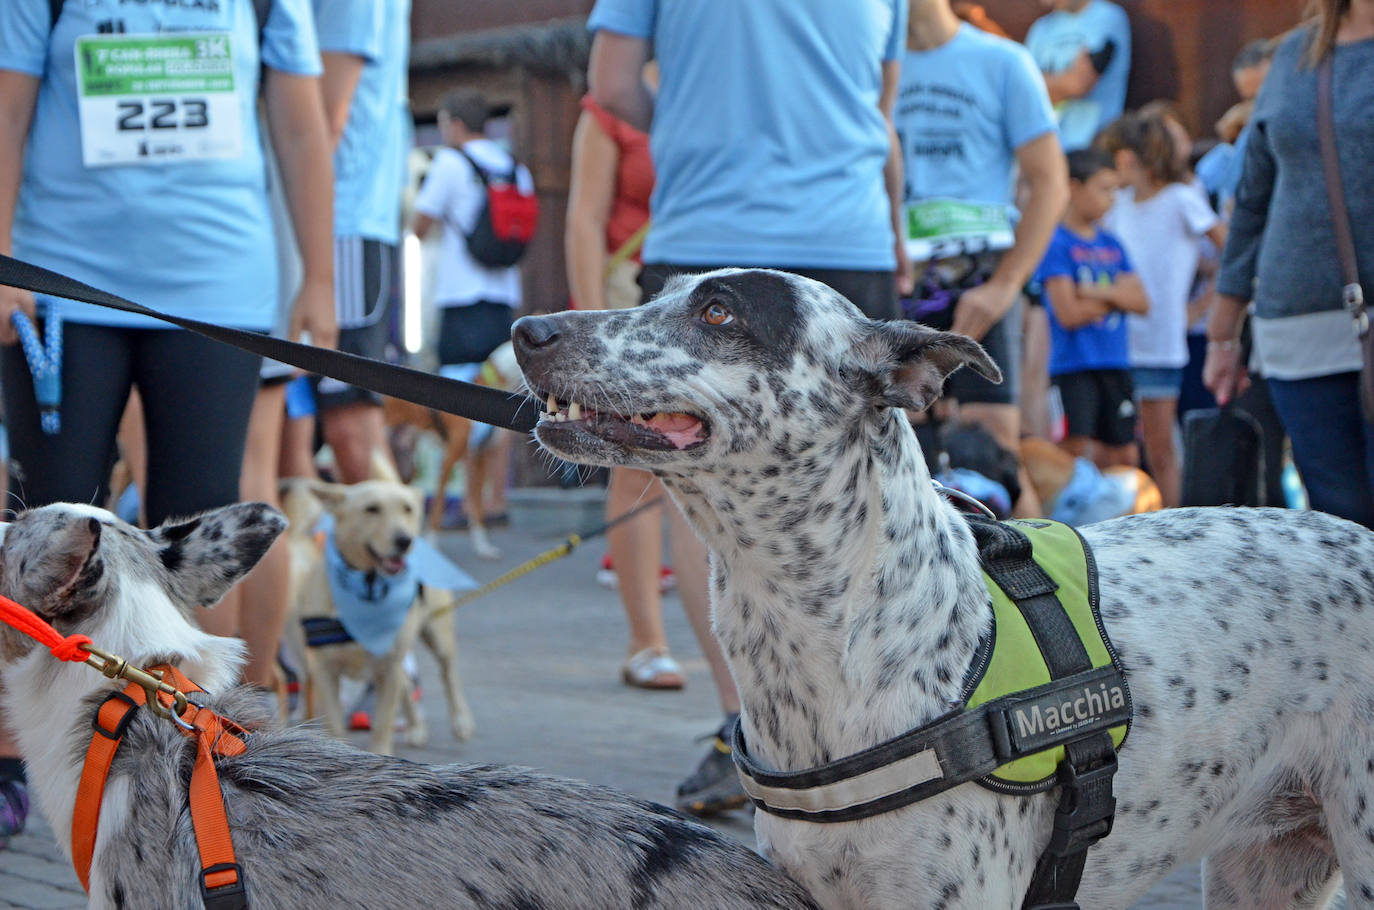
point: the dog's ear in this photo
(904, 364)
(330, 495)
(206, 555)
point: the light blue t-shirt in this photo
(191, 238)
(370, 162)
(767, 138)
(963, 110)
(1055, 42)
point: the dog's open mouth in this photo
(389, 565)
(661, 430)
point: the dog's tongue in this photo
(681, 429)
(393, 565)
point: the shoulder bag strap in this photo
(1335, 193)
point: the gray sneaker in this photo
(714, 786)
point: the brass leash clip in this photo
(115, 667)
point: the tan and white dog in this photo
(357, 579)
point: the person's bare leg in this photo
(691, 565)
(497, 472)
(1003, 421)
(1035, 373)
(264, 590)
(1079, 446)
(1157, 427)
(133, 444)
(1111, 456)
(298, 448)
(354, 432)
(636, 548)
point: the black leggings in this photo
(197, 396)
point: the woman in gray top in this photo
(1282, 255)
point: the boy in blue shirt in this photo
(1089, 287)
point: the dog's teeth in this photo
(574, 411)
(552, 405)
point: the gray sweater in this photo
(1282, 252)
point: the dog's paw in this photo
(486, 550)
(416, 736)
(463, 727)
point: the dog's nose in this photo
(530, 333)
(403, 542)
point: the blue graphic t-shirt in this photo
(963, 110)
(1055, 42)
(767, 138)
(1104, 344)
(144, 170)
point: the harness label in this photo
(1057, 715)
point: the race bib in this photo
(944, 228)
(157, 99)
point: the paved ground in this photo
(540, 663)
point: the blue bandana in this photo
(1092, 496)
(371, 606)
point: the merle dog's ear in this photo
(206, 555)
(904, 364)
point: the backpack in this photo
(506, 221)
(260, 10)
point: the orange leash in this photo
(221, 879)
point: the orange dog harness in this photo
(221, 879)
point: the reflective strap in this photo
(851, 792)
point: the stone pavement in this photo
(541, 668)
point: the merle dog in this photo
(315, 822)
(849, 601)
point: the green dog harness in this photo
(1045, 704)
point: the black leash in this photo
(493, 406)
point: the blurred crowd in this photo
(1173, 314)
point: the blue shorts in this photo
(1156, 382)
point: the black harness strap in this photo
(493, 406)
(1086, 805)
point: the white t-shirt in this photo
(1161, 239)
(453, 194)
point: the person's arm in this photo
(295, 116)
(18, 95)
(1073, 309)
(1047, 177)
(595, 159)
(339, 82)
(616, 77)
(1126, 293)
(894, 178)
(1077, 80)
(420, 224)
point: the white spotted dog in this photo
(849, 599)
(315, 823)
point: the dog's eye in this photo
(373, 509)
(716, 314)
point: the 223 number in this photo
(162, 114)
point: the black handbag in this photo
(1352, 293)
(1223, 458)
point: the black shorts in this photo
(873, 292)
(1099, 404)
(197, 395)
(468, 334)
(366, 288)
